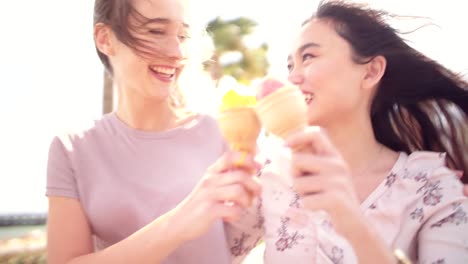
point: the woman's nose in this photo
(296, 77)
(175, 49)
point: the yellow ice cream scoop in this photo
(233, 99)
(238, 121)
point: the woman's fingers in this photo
(309, 164)
(234, 160)
(314, 138)
(234, 193)
(318, 201)
(310, 184)
(227, 212)
(228, 186)
(318, 183)
(232, 177)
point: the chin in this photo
(314, 119)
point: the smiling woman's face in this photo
(151, 68)
(321, 65)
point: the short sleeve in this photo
(445, 239)
(444, 236)
(60, 174)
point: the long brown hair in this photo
(419, 104)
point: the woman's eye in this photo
(290, 67)
(184, 36)
(307, 56)
(156, 32)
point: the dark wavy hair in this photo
(419, 104)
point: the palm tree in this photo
(246, 63)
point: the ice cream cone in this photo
(283, 111)
(240, 128)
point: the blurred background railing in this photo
(23, 238)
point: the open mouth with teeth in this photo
(164, 73)
(308, 97)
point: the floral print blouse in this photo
(419, 208)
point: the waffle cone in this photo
(240, 128)
(283, 111)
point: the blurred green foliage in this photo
(229, 36)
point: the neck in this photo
(146, 114)
(356, 142)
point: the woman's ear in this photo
(102, 38)
(374, 71)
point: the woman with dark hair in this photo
(387, 144)
(395, 137)
(124, 190)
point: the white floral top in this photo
(291, 233)
(419, 208)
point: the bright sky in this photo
(51, 78)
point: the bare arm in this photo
(70, 238)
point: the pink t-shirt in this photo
(125, 178)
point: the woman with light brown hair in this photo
(148, 182)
